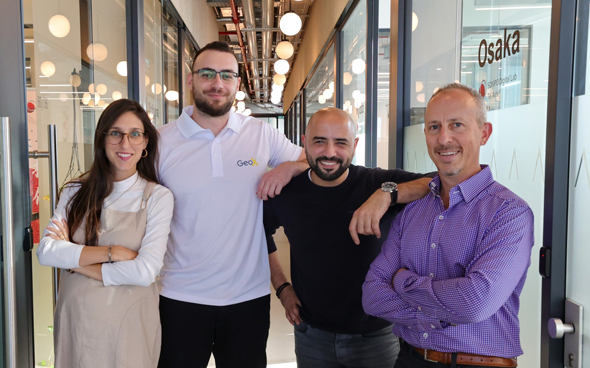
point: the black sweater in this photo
(327, 268)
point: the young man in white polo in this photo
(216, 279)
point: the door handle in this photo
(571, 332)
(557, 328)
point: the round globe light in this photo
(75, 80)
(91, 103)
(279, 79)
(281, 67)
(122, 70)
(275, 101)
(247, 112)
(47, 68)
(331, 87)
(355, 94)
(100, 103)
(117, 95)
(106, 105)
(156, 88)
(328, 94)
(414, 21)
(233, 109)
(63, 97)
(241, 106)
(346, 105)
(357, 104)
(59, 26)
(97, 51)
(361, 97)
(419, 86)
(278, 87)
(240, 95)
(147, 81)
(101, 89)
(86, 98)
(91, 88)
(290, 23)
(96, 98)
(284, 50)
(276, 94)
(358, 66)
(322, 99)
(172, 95)
(346, 78)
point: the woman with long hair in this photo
(109, 235)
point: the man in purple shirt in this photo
(451, 272)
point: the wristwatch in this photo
(391, 188)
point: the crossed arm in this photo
(394, 291)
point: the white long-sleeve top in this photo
(126, 196)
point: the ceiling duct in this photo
(250, 21)
(268, 17)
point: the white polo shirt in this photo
(217, 251)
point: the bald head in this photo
(331, 115)
(330, 143)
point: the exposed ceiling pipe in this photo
(250, 21)
(268, 16)
(236, 20)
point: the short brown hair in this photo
(215, 46)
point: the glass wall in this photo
(76, 64)
(171, 72)
(382, 123)
(319, 92)
(154, 103)
(514, 86)
(189, 54)
(353, 73)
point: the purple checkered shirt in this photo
(466, 267)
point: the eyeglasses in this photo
(209, 75)
(116, 137)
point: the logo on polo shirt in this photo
(250, 162)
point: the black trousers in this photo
(410, 358)
(235, 334)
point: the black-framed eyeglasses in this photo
(209, 74)
(116, 137)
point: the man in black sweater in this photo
(327, 268)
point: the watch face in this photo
(389, 186)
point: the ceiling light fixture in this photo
(290, 23)
(281, 67)
(59, 26)
(279, 79)
(122, 71)
(47, 68)
(284, 50)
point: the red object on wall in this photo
(31, 106)
(482, 90)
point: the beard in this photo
(328, 175)
(211, 109)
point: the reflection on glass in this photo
(354, 57)
(170, 87)
(383, 99)
(320, 91)
(153, 60)
(71, 76)
(189, 54)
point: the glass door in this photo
(578, 252)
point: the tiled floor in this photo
(280, 348)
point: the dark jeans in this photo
(317, 348)
(410, 358)
(235, 334)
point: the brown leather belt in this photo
(466, 359)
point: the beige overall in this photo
(112, 326)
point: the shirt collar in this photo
(188, 127)
(468, 189)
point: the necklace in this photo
(122, 194)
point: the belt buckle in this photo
(426, 357)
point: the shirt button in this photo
(419, 308)
(432, 326)
(441, 217)
(425, 335)
(431, 275)
(433, 245)
(409, 327)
